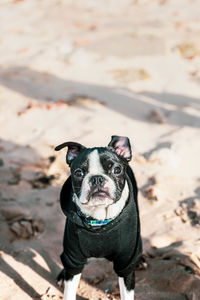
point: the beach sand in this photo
(84, 71)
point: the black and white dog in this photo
(100, 202)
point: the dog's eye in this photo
(78, 173)
(117, 170)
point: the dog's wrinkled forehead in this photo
(95, 160)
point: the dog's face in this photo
(98, 174)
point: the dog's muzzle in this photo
(97, 187)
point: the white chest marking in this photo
(95, 166)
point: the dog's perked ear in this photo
(73, 150)
(121, 145)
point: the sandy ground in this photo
(83, 71)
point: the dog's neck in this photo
(108, 212)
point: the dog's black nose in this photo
(97, 180)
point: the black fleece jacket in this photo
(119, 241)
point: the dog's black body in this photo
(119, 241)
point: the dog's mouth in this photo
(98, 197)
(99, 193)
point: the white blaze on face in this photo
(96, 168)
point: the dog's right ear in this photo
(73, 150)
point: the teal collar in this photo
(93, 222)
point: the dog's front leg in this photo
(71, 286)
(126, 286)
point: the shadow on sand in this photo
(47, 87)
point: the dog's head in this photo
(98, 174)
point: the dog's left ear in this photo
(121, 145)
(73, 150)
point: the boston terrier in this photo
(100, 202)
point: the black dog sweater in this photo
(119, 241)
